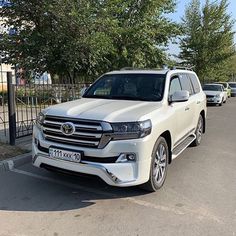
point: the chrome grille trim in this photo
(82, 134)
(71, 140)
(88, 127)
(87, 133)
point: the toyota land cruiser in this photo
(126, 129)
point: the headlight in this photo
(40, 119)
(131, 130)
(217, 95)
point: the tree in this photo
(75, 38)
(208, 41)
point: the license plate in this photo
(65, 155)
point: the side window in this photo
(195, 83)
(174, 85)
(186, 83)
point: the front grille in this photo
(87, 133)
(210, 96)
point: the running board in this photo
(182, 146)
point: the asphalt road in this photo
(198, 198)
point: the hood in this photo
(212, 92)
(104, 109)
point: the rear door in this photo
(190, 107)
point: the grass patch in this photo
(7, 151)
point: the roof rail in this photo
(132, 68)
(182, 68)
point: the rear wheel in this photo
(198, 132)
(159, 164)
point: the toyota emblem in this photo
(68, 128)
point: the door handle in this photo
(198, 102)
(187, 108)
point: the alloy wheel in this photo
(160, 163)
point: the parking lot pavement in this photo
(198, 198)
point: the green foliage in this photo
(77, 39)
(208, 41)
(232, 67)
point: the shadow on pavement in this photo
(58, 192)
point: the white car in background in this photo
(215, 94)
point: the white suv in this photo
(127, 128)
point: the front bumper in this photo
(117, 174)
(214, 100)
(233, 93)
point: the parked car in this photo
(233, 88)
(127, 128)
(227, 88)
(215, 93)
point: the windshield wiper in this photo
(133, 98)
(125, 97)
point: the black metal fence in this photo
(4, 118)
(28, 100)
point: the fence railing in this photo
(32, 98)
(29, 100)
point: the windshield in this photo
(142, 87)
(212, 87)
(232, 85)
(224, 84)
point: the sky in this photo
(180, 8)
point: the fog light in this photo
(131, 157)
(126, 157)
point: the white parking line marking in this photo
(200, 213)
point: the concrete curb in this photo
(14, 162)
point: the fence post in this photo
(11, 109)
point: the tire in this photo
(198, 132)
(159, 165)
(220, 104)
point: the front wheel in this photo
(159, 164)
(221, 103)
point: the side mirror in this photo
(179, 96)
